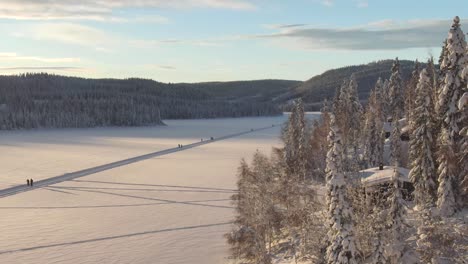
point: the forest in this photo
(310, 201)
(51, 101)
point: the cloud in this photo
(283, 26)
(40, 68)
(14, 56)
(362, 3)
(166, 67)
(380, 35)
(143, 43)
(102, 10)
(71, 33)
(328, 3)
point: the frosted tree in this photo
(396, 222)
(410, 93)
(295, 142)
(386, 99)
(396, 91)
(395, 142)
(423, 172)
(380, 120)
(453, 63)
(355, 111)
(348, 118)
(342, 248)
(373, 127)
(290, 138)
(463, 159)
(302, 140)
(378, 255)
(369, 132)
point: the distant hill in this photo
(45, 101)
(323, 86)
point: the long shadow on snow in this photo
(158, 185)
(112, 237)
(156, 199)
(140, 189)
(106, 206)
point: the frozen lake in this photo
(169, 209)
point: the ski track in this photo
(78, 174)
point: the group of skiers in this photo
(30, 182)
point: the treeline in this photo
(323, 86)
(44, 100)
(307, 202)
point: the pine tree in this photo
(395, 142)
(295, 142)
(342, 248)
(396, 91)
(463, 159)
(302, 140)
(386, 100)
(396, 221)
(373, 127)
(378, 255)
(410, 93)
(454, 61)
(423, 171)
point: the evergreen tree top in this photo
(456, 22)
(396, 65)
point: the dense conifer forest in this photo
(44, 101)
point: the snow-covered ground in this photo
(169, 209)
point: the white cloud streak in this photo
(16, 57)
(380, 35)
(103, 10)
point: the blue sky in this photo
(217, 40)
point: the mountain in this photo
(323, 86)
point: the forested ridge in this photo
(45, 100)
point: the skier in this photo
(32, 182)
(27, 182)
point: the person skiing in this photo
(27, 182)
(32, 182)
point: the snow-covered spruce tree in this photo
(396, 224)
(348, 119)
(386, 107)
(463, 159)
(395, 142)
(341, 248)
(380, 120)
(423, 172)
(410, 91)
(355, 110)
(397, 102)
(441, 240)
(378, 219)
(453, 63)
(369, 133)
(373, 127)
(318, 145)
(295, 142)
(302, 140)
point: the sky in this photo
(217, 40)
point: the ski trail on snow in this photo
(81, 173)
